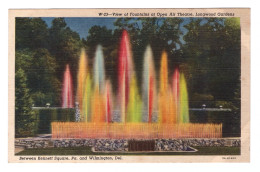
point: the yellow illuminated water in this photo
(82, 71)
(167, 109)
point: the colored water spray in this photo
(125, 72)
(99, 70)
(82, 71)
(134, 106)
(184, 102)
(86, 107)
(67, 90)
(109, 101)
(169, 105)
(149, 86)
(98, 107)
(166, 103)
(176, 90)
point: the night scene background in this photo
(207, 50)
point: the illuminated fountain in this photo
(184, 102)
(167, 107)
(149, 87)
(67, 89)
(129, 100)
(98, 108)
(180, 95)
(150, 115)
(84, 87)
(175, 90)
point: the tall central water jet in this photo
(67, 90)
(149, 86)
(124, 74)
(129, 100)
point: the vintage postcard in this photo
(129, 85)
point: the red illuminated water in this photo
(124, 72)
(67, 89)
(176, 90)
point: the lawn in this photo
(87, 151)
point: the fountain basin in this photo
(122, 145)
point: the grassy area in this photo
(87, 151)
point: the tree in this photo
(214, 57)
(64, 45)
(43, 53)
(30, 33)
(24, 116)
(40, 67)
(99, 35)
(212, 54)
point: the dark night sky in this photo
(81, 25)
